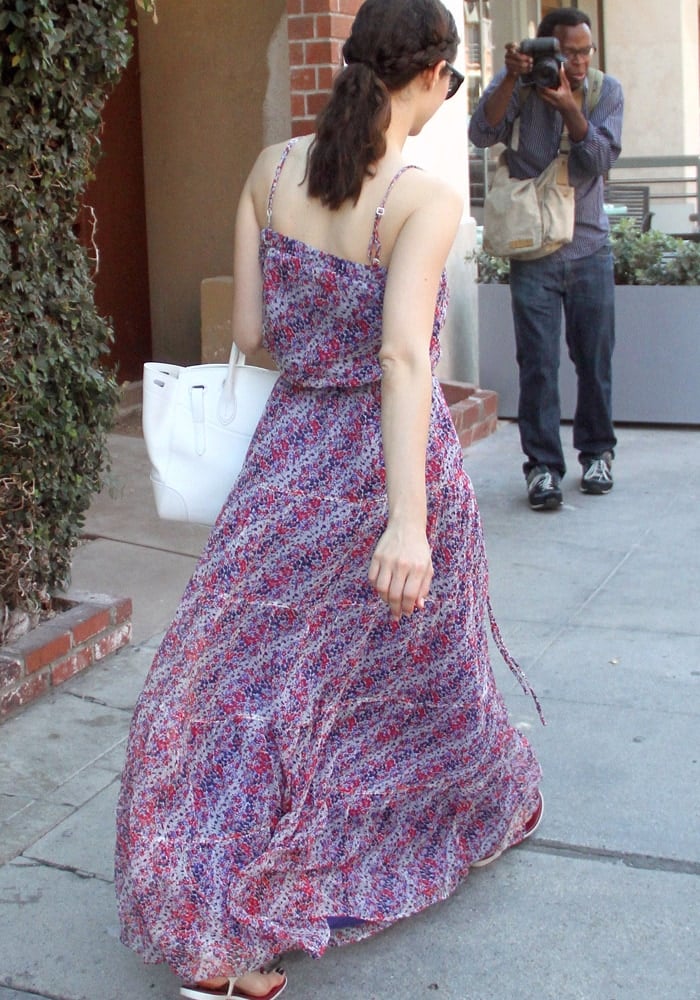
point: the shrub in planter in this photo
(58, 59)
(651, 258)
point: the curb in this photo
(474, 411)
(91, 627)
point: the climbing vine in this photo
(58, 61)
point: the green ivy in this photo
(58, 62)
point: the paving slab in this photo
(125, 510)
(23, 825)
(61, 752)
(630, 668)
(56, 739)
(534, 925)
(115, 681)
(82, 843)
(620, 780)
(153, 578)
(129, 550)
(598, 603)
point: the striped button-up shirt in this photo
(541, 128)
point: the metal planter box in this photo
(656, 364)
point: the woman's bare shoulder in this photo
(429, 188)
(263, 170)
(423, 192)
(270, 156)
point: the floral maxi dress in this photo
(294, 754)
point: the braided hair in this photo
(391, 42)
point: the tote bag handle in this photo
(227, 401)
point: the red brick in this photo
(301, 27)
(466, 436)
(73, 664)
(298, 107)
(481, 430)
(489, 399)
(321, 53)
(333, 26)
(89, 622)
(347, 6)
(11, 669)
(315, 6)
(112, 641)
(45, 648)
(324, 77)
(296, 54)
(303, 78)
(295, 7)
(315, 103)
(32, 688)
(123, 610)
(302, 125)
(469, 410)
(455, 392)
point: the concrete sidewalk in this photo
(599, 602)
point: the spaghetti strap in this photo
(278, 170)
(374, 249)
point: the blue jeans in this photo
(585, 288)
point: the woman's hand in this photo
(401, 569)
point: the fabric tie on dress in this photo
(513, 666)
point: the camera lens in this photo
(545, 73)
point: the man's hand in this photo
(516, 62)
(568, 104)
(562, 98)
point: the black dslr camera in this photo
(547, 61)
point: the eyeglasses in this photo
(456, 81)
(571, 54)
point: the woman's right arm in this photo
(401, 566)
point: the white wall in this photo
(652, 49)
(442, 147)
(657, 64)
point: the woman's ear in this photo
(432, 74)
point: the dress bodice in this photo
(322, 314)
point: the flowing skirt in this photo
(295, 755)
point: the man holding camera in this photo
(546, 84)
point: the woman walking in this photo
(320, 748)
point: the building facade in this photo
(219, 79)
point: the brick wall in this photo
(91, 627)
(317, 30)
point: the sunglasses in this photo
(456, 81)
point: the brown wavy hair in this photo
(391, 42)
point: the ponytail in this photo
(350, 136)
(391, 42)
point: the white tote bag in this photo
(198, 421)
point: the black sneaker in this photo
(597, 476)
(544, 488)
